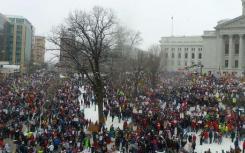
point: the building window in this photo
(185, 63)
(192, 49)
(200, 55)
(193, 55)
(179, 55)
(172, 55)
(199, 49)
(226, 63)
(166, 55)
(179, 49)
(236, 64)
(186, 49)
(186, 55)
(173, 49)
(192, 63)
(226, 49)
(236, 49)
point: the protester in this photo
(163, 119)
(243, 150)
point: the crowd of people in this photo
(182, 112)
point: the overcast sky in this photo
(151, 17)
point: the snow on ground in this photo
(92, 113)
(214, 147)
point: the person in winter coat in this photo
(210, 136)
(201, 139)
(233, 136)
(236, 143)
(112, 132)
(1, 143)
(86, 142)
(194, 138)
(243, 147)
(193, 146)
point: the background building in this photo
(3, 37)
(19, 41)
(68, 51)
(38, 51)
(182, 52)
(221, 50)
(225, 46)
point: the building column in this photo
(196, 55)
(14, 45)
(221, 53)
(230, 66)
(241, 52)
(183, 57)
(189, 57)
(169, 59)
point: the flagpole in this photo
(172, 29)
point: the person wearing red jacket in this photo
(1, 143)
(193, 126)
(158, 126)
(125, 125)
(206, 134)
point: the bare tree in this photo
(127, 40)
(138, 69)
(125, 50)
(85, 40)
(153, 66)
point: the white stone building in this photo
(221, 50)
(181, 52)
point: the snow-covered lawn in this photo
(92, 113)
(214, 147)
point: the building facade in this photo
(181, 52)
(20, 37)
(3, 37)
(68, 52)
(38, 50)
(16, 41)
(228, 50)
(221, 50)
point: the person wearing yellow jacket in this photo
(40, 151)
(226, 129)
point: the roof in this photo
(186, 40)
(227, 22)
(39, 37)
(15, 16)
(3, 16)
(18, 17)
(209, 34)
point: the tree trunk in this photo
(99, 90)
(153, 82)
(99, 98)
(135, 87)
